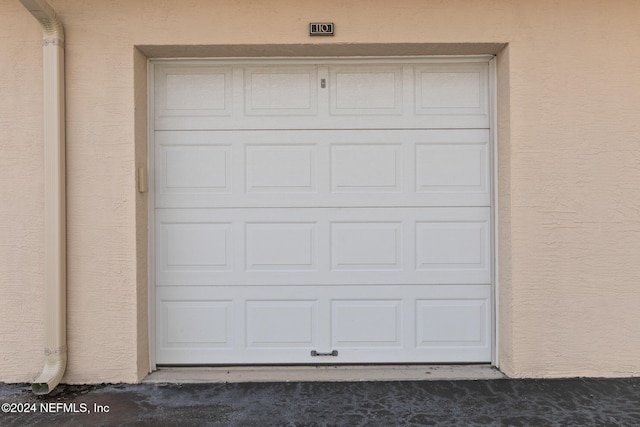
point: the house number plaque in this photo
(321, 29)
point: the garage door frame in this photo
(492, 92)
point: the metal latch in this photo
(315, 353)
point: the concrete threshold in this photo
(318, 373)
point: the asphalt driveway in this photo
(504, 402)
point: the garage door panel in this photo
(200, 168)
(323, 245)
(376, 90)
(283, 324)
(366, 168)
(400, 324)
(290, 168)
(322, 168)
(367, 323)
(205, 246)
(452, 322)
(281, 92)
(281, 246)
(461, 245)
(358, 246)
(198, 323)
(321, 95)
(460, 89)
(452, 168)
(187, 91)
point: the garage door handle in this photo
(315, 353)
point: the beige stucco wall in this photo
(569, 164)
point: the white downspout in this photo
(55, 268)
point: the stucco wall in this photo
(569, 164)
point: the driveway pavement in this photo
(501, 402)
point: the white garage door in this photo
(322, 211)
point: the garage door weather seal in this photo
(55, 349)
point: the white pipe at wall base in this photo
(54, 204)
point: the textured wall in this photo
(21, 200)
(569, 166)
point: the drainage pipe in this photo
(55, 269)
